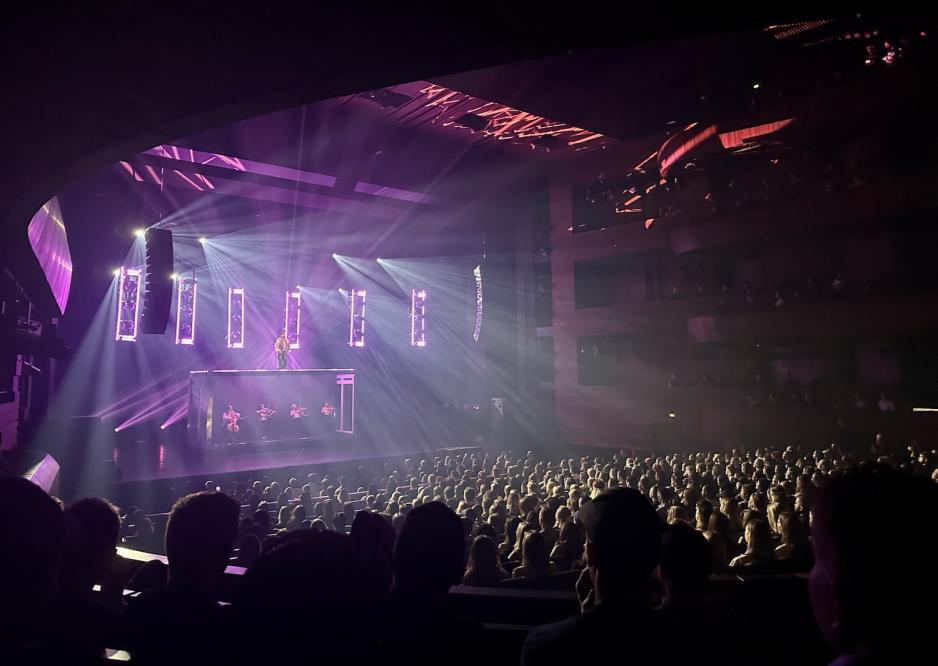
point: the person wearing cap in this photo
(623, 547)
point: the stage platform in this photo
(327, 396)
(169, 463)
(156, 489)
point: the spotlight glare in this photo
(335, 256)
(174, 276)
(203, 240)
(116, 272)
(139, 232)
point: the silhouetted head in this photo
(428, 557)
(32, 530)
(686, 559)
(300, 567)
(93, 528)
(623, 534)
(200, 534)
(483, 554)
(873, 582)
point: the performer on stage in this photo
(264, 414)
(296, 411)
(230, 417)
(282, 347)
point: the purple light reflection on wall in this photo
(128, 305)
(49, 241)
(356, 333)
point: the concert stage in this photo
(301, 405)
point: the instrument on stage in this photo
(264, 414)
(297, 412)
(231, 420)
(327, 410)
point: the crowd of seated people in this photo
(356, 560)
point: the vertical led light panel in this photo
(235, 317)
(291, 318)
(356, 330)
(128, 306)
(187, 293)
(418, 313)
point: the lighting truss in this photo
(128, 306)
(187, 292)
(235, 318)
(418, 312)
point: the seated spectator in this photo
(483, 569)
(568, 550)
(428, 560)
(299, 567)
(548, 531)
(794, 544)
(523, 529)
(622, 550)
(283, 518)
(373, 539)
(298, 515)
(184, 621)
(758, 545)
(718, 536)
(249, 549)
(507, 546)
(535, 563)
(686, 564)
(677, 514)
(32, 533)
(864, 611)
(704, 511)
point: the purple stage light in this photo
(187, 288)
(356, 332)
(128, 305)
(235, 318)
(49, 242)
(418, 312)
(477, 331)
(291, 318)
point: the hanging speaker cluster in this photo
(158, 292)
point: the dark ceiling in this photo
(87, 85)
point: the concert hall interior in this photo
(537, 254)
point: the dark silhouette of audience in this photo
(873, 592)
(623, 547)
(183, 621)
(613, 532)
